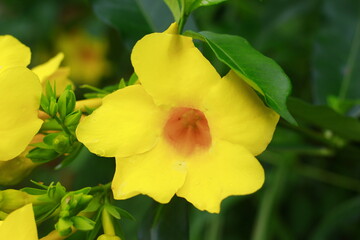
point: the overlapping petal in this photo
(172, 70)
(45, 70)
(19, 225)
(13, 53)
(236, 114)
(127, 123)
(20, 92)
(158, 173)
(226, 169)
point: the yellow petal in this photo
(60, 79)
(47, 69)
(20, 92)
(158, 173)
(13, 53)
(19, 225)
(172, 70)
(236, 114)
(127, 123)
(226, 169)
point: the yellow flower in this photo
(86, 56)
(19, 225)
(20, 93)
(52, 72)
(184, 130)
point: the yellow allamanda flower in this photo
(20, 92)
(184, 130)
(52, 72)
(86, 56)
(19, 225)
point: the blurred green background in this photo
(312, 170)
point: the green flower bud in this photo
(61, 143)
(63, 226)
(73, 118)
(53, 107)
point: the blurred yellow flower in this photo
(86, 56)
(184, 130)
(20, 92)
(19, 225)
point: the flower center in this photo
(187, 129)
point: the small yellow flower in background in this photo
(86, 56)
(184, 130)
(20, 92)
(19, 225)
(52, 72)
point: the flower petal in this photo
(13, 53)
(127, 123)
(227, 169)
(158, 173)
(45, 70)
(236, 114)
(172, 70)
(20, 92)
(19, 225)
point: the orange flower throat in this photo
(187, 129)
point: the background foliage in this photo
(312, 170)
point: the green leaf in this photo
(83, 223)
(326, 118)
(133, 19)
(192, 5)
(125, 214)
(260, 72)
(112, 211)
(33, 191)
(175, 8)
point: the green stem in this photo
(101, 187)
(182, 23)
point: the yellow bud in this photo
(15, 170)
(11, 200)
(108, 237)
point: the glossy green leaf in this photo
(326, 118)
(259, 71)
(192, 5)
(133, 19)
(175, 8)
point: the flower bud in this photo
(11, 200)
(108, 237)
